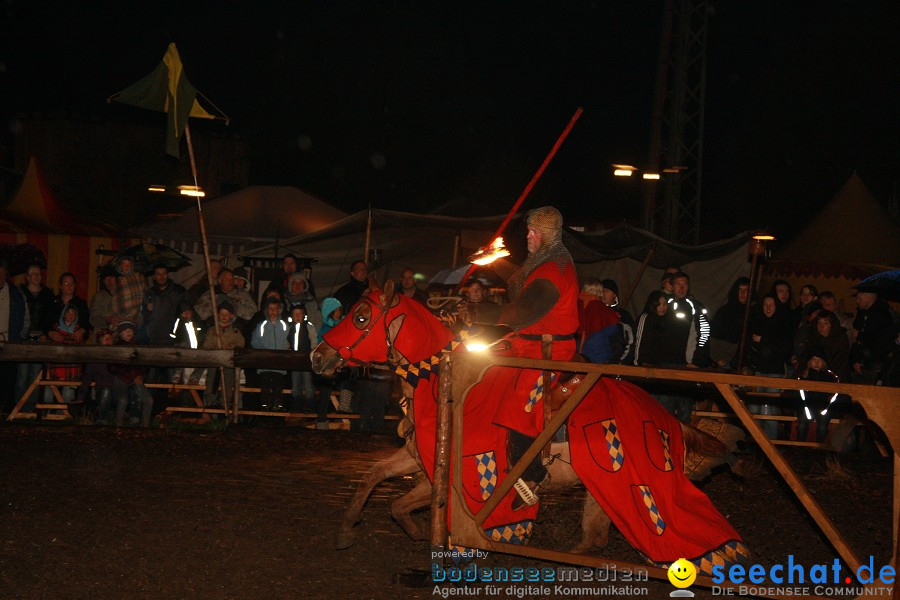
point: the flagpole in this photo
(209, 279)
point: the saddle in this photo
(566, 384)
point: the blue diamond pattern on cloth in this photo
(670, 464)
(511, 533)
(537, 392)
(650, 503)
(613, 443)
(728, 554)
(423, 369)
(487, 473)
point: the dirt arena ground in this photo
(94, 512)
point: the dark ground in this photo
(92, 512)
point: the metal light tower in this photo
(672, 208)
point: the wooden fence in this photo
(459, 371)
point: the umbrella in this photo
(148, 256)
(18, 257)
(485, 275)
(886, 285)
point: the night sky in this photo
(451, 107)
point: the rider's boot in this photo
(535, 475)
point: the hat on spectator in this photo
(126, 325)
(610, 285)
(226, 305)
(817, 354)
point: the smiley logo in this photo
(682, 573)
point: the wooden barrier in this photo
(882, 406)
(160, 356)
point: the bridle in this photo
(344, 354)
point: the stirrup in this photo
(525, 492)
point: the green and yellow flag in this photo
(168, 90)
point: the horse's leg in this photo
(399, 463)
(402, 507)
(594, 526)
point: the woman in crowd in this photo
(770, 350)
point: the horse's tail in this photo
(700, 442)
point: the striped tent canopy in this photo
(34, 216)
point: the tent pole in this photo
(209, 279)
(638, 277)
(742, 345)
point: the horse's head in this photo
(382, 327)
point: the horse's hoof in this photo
(344, 540)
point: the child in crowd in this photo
(332, 313)
(231, 338)
(271, 334)
(302, 337)
(128, 381)
(815, 405)
(100, 376)
(65, 331)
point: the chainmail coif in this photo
(549, 222)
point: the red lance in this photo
(528, 188)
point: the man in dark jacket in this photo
(688, 329)
(164, 302)
(349, 293)
(873, 338)
(40, 310)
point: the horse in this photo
(388, 329)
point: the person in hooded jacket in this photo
(67, 330)
(829, 340)
(332, 313)
(298, 292)
(827, 359)
(728, 323)
(770, 345)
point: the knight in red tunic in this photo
(543, 312)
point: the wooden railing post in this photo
(441, 481)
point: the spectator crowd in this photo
(772, 336)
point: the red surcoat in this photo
(562, 320)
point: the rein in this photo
(345, 353)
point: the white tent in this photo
(430, 244)
(239, 222)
